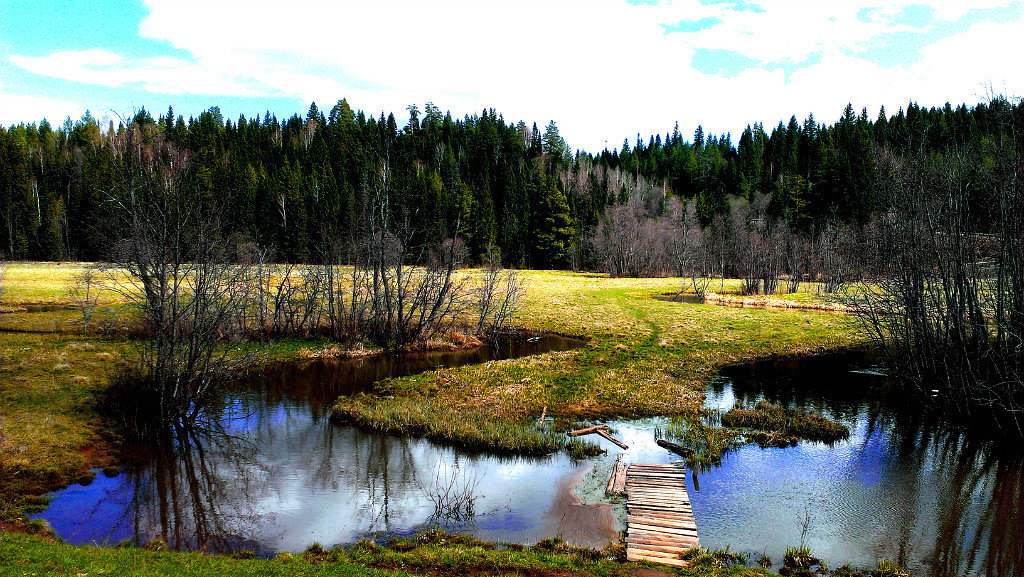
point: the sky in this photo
(604, 70)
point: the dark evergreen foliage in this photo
(297, 184)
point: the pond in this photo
(280, 477)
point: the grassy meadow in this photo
(643, 356)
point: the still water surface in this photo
(900, 488)
(280, 477)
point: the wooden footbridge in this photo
(659, 519)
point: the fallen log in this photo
(612, 439)
(589, 430)
(675, 448)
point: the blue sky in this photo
(603, 69)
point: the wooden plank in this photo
(617, 481)
(666, 515)
(643, 478)
(662, 522)
(646, 495)
(638, 494)
(656, 480)
(667, 492)
(657, 501)
(635, 509)
(655, 556)
(680, 510)
(638, 544)
(654, 519)
(664, 532)
(654, 553)
(656, 476)
(683, 508)
(678, 548)
(633, 556)
(684, 543)
(674, 447)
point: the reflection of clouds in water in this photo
(901, 487)
(289, 478)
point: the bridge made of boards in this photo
(659, 519)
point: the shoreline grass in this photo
(432, 553)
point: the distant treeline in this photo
(298, 185)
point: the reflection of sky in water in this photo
(79, 507)
(281, 476)
(345, 486)
(296, 479)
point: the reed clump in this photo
(799, 562)
(772, 425)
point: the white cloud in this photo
(603, 68)
(16, 108)
(162, 74)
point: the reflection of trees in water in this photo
(981, 521)
(194, 492)
(378, 471)
(199, 489)
(974, 484)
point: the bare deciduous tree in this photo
(946, 303)
(798, 260)
(497, 297)
(630, 240)
(696, 248)
(84, 293)
(171, 262)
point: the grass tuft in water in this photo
(779, 427)
(799, 562)
(468, 431)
